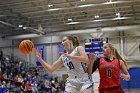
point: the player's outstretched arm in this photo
(48, 67)
(82, 57)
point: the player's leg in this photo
(70, 87)
(87, 88)
(87, 91)
(70, 90)
(87, 84)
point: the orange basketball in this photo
(26, 46)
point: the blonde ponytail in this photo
(118, 56)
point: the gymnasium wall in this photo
(5, 43)
(129, 43)
(131, 50)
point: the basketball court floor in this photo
(127, 91)
(132, 90)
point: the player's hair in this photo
(74, 40)
(116, 54)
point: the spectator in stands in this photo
(36, 72)
(57, 86)
(22, 89)
(34, 87)
(21, 66)
(54, 90)
(1, 76)
(27, 87)
(3, 88)
(42, 87)
(15, 79)
(48, 87)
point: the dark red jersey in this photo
(109, 73)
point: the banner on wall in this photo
(41, 49)
(61, 49)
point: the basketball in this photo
(26, 46)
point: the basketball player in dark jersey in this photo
(109, 68)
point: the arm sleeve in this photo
(96, 64)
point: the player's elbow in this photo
(50, 71)
(89, 72)
(86, 60)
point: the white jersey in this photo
(78, 77)
(74, 68)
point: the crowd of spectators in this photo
(15, 77)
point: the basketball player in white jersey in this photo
(75, 61)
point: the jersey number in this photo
(109, 73)
(70, 65)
